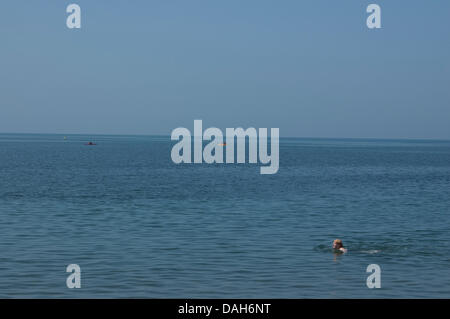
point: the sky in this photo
(311, 68)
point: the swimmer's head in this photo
(337, 244)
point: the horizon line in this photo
(281, 137)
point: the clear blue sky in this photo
(311, 68)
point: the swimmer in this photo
(338, 246)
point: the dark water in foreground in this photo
(141, 226)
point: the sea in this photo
(140, 226)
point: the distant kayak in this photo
(90, 143)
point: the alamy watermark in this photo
(73, 21)
(374, 279)
(74, 279)
(213, 152)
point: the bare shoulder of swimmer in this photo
(344, 250)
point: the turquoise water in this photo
(140, 226)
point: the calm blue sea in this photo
(140, 226)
